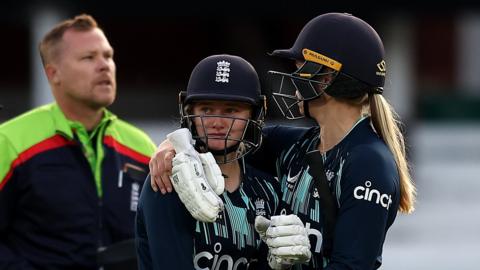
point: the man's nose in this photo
(104, 64)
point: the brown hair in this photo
(48, 47)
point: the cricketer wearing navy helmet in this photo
(167, 236)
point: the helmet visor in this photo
(239, 137)
(302, 85)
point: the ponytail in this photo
(386, 123)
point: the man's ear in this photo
(52, 73)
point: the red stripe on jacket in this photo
(51, 143)
(125, 150)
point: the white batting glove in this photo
(213, 173)
(261, 226)
(287, 240)
(189, 179)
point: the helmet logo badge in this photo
(382, 68)
(223, 72)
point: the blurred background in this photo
(433, 81)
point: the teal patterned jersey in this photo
(169, 238)
(299, 195)
(363, 178)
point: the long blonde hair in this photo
(387, 125)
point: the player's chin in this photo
(219, 144)
(103, 103)
(105, 99)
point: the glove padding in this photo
(213, 174)
(287, 240)
(190, 181)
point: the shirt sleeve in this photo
(276, 139)
(8, 201)
(164, 231)
(368, 198)
(9, 259)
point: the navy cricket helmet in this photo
(336, 44)
(225, 78)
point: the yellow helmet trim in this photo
(321, 59)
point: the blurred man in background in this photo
(70, 171)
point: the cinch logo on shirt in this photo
(372, 195)
(317, 234)
(219, 262)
